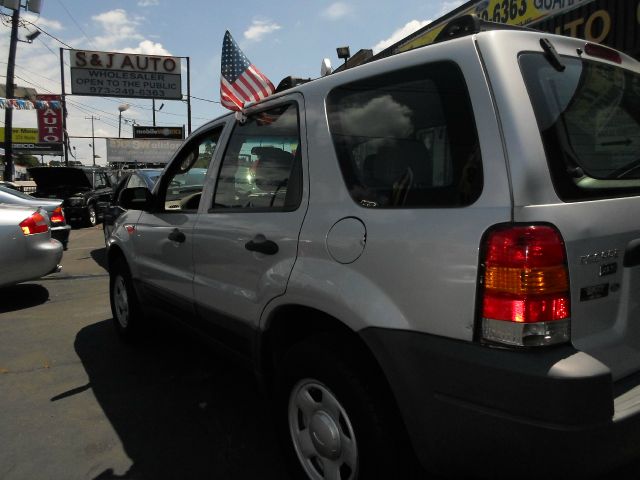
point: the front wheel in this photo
(336, 421)
(91, 217)
(128, 318)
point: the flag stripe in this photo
(265, 80)
(256, 90)
(229, 95)
(246, 87)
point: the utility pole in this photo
(15, 5)
(93, 138)
(8, 115)
(153, 107)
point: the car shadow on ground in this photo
(20, 297)
(100, 257)
(179, 410)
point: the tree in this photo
(27, 161)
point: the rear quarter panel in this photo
(418, 270)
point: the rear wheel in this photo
(128, 318)
(335, 419)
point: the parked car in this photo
(85, 190)
(144, 177)
(59, 228)
(27, 250)
(441, 255)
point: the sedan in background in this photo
(26, 247)
(59, 228)
(144, 177)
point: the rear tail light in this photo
(57, 216)
(36, 223)
(525, 291)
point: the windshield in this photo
(589, 118)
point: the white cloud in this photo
(42, 22)
(260, 28)
(337, 10)
(399, 34)
(148, 3)
(147, 47)
(118, 28)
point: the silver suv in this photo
(433, 255)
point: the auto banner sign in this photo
(511, 12)
(108, 74)
(50, 121)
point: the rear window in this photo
(589, 118)
(407, 138)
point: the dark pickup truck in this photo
(86, 191)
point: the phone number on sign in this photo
(142, 92)
(507, 10)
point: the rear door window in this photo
(407, 138)
(589, 119)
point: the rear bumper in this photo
(475, 410)
(76, 214)
(61, 233)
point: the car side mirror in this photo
(137, 198)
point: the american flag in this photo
(240, 80)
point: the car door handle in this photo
(262, 245)
(177, 236)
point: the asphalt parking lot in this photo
(79, 404)
(76, 403)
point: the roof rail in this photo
(470, 24)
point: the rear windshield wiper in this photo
(551, 54)
(625, 170)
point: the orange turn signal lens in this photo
(526, 281)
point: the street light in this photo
(153, 107)
(121, 108)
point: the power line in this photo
(74, 21)
(41, 29)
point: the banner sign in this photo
(107, 74)
(50, 120)
(21, 135)
(139, 150)
(35, 148)
(511, 12)
(158, 132)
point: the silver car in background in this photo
(27, 251)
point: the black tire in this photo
(91, 218)
(367, 421)
(128, 317)
(106, 234)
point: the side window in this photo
(407, 138)
(101, 180)
(262, 167)
(136, 181)
(182, 186)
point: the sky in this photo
(280, 38)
